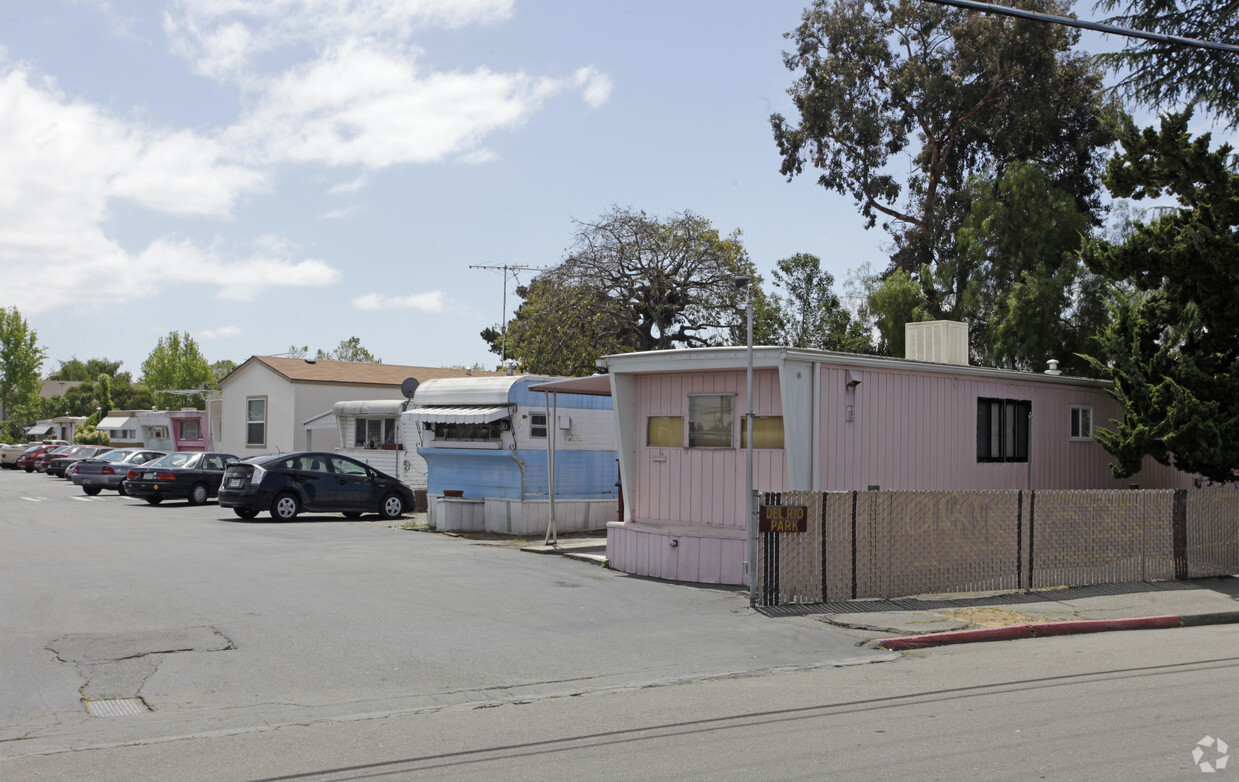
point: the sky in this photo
(272, 173)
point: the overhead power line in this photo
(1100, 27)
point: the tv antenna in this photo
(503, 321)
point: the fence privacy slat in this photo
(884, 544)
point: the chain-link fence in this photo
(897, 543)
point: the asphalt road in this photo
(228, 629)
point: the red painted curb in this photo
(958, 637)
(1104, 625)
(1039, 629)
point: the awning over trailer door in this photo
(456, 415)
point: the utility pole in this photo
(503, 320)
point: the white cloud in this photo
(222, 332)
(430, 301)
(344, 188)
(596, 86)
(236, 280)
(374, 108)
(339, 214)
(65, 160)
(357, 93)
(222, 38)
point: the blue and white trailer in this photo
(495, 449)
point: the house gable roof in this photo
(300, 370)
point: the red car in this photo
(44, 459)
(26, 460)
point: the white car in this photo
(9, 454)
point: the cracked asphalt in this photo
(225, 627)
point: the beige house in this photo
(269, 404)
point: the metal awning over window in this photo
(456, 415)
(39, 429)
(117, 422)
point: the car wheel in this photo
(154, 500)
(285, 508)
(198, 494)
(245, 513)
(29, 469)
(120, 489)
(91, 490)
(393, 506)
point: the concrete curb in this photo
(1047, 629)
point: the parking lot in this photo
(218, 625)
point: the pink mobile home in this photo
(828, 421)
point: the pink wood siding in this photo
(918, 431)
(702, 485)
(704, 557)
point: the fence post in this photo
(1019, 540)
(1179, 534)
(821, 525)
(1032, 528)
(854, 496)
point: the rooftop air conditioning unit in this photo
(939, 341)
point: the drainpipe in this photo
(552, 427)
(512, 448)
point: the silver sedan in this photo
(108, 470)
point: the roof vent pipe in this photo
(1053, 370)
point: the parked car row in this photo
(283, 485)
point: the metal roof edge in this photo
(736, 357)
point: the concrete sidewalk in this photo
(931, 620)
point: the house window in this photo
(190, 430)
(256, 422)
(373, 432)
(1002, 430)
(664, 431)
(710, 421)
(537, 425)
(484, 433)
(159, 432)
(767, 432)
(1081, 422)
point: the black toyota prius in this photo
(288, 483)
(192, 475)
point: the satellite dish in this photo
(409, 387)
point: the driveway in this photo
(219, 626)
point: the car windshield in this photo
(177, 460)
(115, 456)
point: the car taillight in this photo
(108, 471)
(257, 476)
(133, 475)
(165, 476)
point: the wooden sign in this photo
(783, 518)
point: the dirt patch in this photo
(989, 617)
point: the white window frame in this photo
(534, 427)
(387, 431)
(182, 423)
(250, 421)
(1080, 415)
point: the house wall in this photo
(289, 405)
(908, 431)
(916, 431)
(203, 443)
(701, 486)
